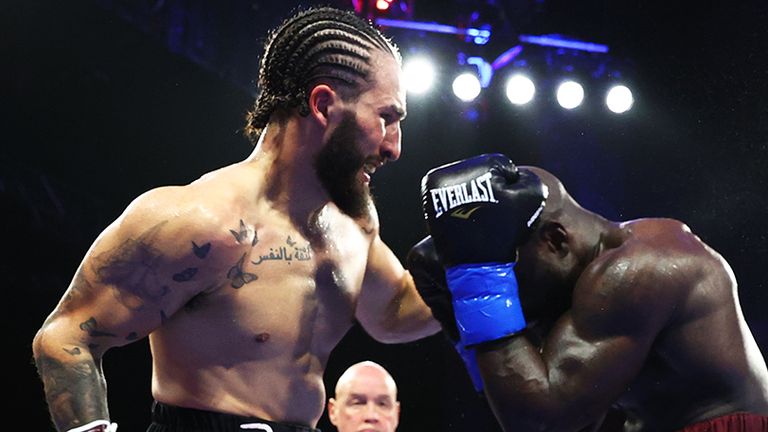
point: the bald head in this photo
(557, 195)
(364, 370)
(365, 399)
(565, 238)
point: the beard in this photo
(338, 165)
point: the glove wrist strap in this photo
(485, 301)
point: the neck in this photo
(285, 155)
(607, 236)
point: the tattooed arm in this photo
(138, 272)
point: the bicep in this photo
(137, 274)
(389, 307)
(567, 384)
(383, 280)
(115, 298)
(588, 359)
(599, 346)
(591, 365)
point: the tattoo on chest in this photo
(290, 252)
(238, 276)
(242, 233)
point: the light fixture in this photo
(418, 75)
(619, 99)
(520, 89)
(466, 86)
(570, 94)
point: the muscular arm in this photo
(590, 356)
(136, 274)
(389, 308)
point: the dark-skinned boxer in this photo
(641, 316)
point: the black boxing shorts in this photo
(169, 418)
(736, 422)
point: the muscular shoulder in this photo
(366, 225)
(641, 283)
(180, 223)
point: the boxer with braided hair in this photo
(246, 279)
(320, 45)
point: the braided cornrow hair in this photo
(315, 45)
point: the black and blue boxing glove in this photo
(478, 211)
(429, 276)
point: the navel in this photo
(261, 337)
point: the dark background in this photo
(103, 100)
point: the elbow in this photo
(38, 343)
(388, 338)
(526, 418)
(381, 332)
(53, 339)
(531, 406)
(42, 351)
(392, 333)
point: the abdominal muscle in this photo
(259, 350)
(268, 390)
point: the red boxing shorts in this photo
(736, 422)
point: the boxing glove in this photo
(429, 275)
(478, 211)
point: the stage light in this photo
(619, 99)
(479, 36)
(570, 94)
(466, 87)
(559, 41)
(383, 5)
(418, 75)
(520, 89)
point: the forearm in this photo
(74, 384)
(409, 318)
(525, 392)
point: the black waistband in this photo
(189, 419)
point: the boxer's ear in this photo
(321, 99)
(555, 237)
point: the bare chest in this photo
(287, 292)
(278, 255)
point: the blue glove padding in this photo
(485, 301)
(470, 361)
